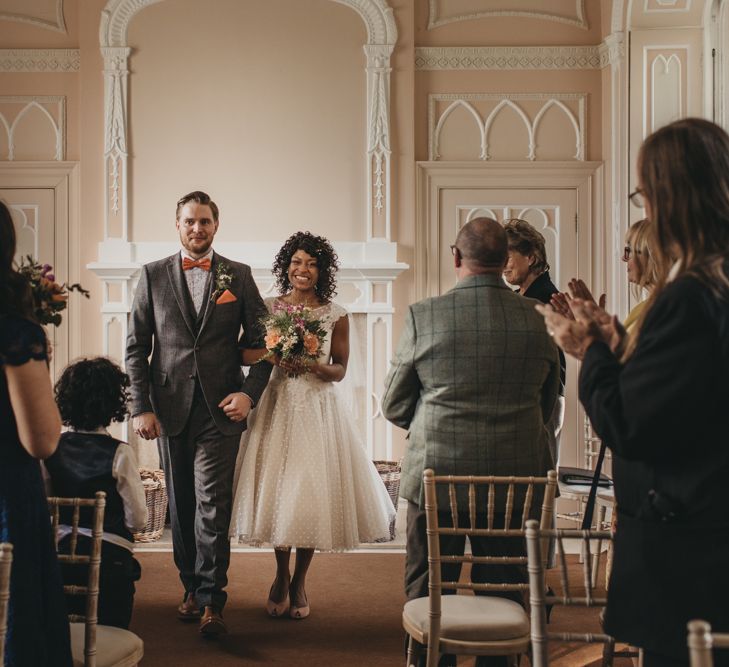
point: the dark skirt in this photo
(663, 576)
(38, 631)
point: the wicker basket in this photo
(390, 475)
(155, 492)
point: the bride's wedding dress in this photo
(305, 479)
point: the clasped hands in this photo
(576, 321)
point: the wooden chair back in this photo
(482, 493)
(702, 642)
(92, 560)
(6, 560)
(583, 594)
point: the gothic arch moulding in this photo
(118, 14)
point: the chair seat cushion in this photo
(114, 647)
(471, 617)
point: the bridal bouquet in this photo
(49, 297)
(294, 335)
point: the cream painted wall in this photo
(261, 104)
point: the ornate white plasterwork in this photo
(27, 104)
(40, 60)
(666, 6)
(376, 14)
(506, 102)
(578, 21)
(381, 37)
(519, 57)
(59, 25)
(508, 57)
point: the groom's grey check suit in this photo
(474, 380)
(195, 363)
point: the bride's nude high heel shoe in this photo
(276, 609)
(299, 613)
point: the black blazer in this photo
(665, 416)
(542, 289)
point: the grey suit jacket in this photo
(163, 323)
(474, 380)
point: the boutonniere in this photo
(223, 281)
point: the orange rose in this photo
(272, 339)
(59, 297)
(311, 343)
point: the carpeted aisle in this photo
(356, 602)
(356, 618)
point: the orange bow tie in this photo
(203, 263)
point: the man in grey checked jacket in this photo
(474, 380)
(193, 397)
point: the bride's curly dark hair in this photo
(326, 260)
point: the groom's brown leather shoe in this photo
(189, 609)
(211, 623)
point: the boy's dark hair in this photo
(91, 393)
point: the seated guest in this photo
(474, 380)
(660, 404)
(92, 393)
(37, 634)
(527, 269)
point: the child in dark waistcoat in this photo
(91, 393)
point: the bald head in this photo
(483, 246)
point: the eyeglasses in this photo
(637, 198)
(628, 251)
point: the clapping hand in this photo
(560, 301)
(589, 322)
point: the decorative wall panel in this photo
(40, 60)
(41, 13)
(570, 12)
(525, 115)
(667, 5)
(666, 82)
(32, 127)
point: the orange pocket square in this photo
(226, 297)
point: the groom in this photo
(192, 395)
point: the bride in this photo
(305, 480)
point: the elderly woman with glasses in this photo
(661, 404)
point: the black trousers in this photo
(416, 565)
(199, 465)
(119, 571)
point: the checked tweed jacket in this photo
(474, 380)
(185, 347)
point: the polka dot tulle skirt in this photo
(304, 478)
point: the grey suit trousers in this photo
(199, 464)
